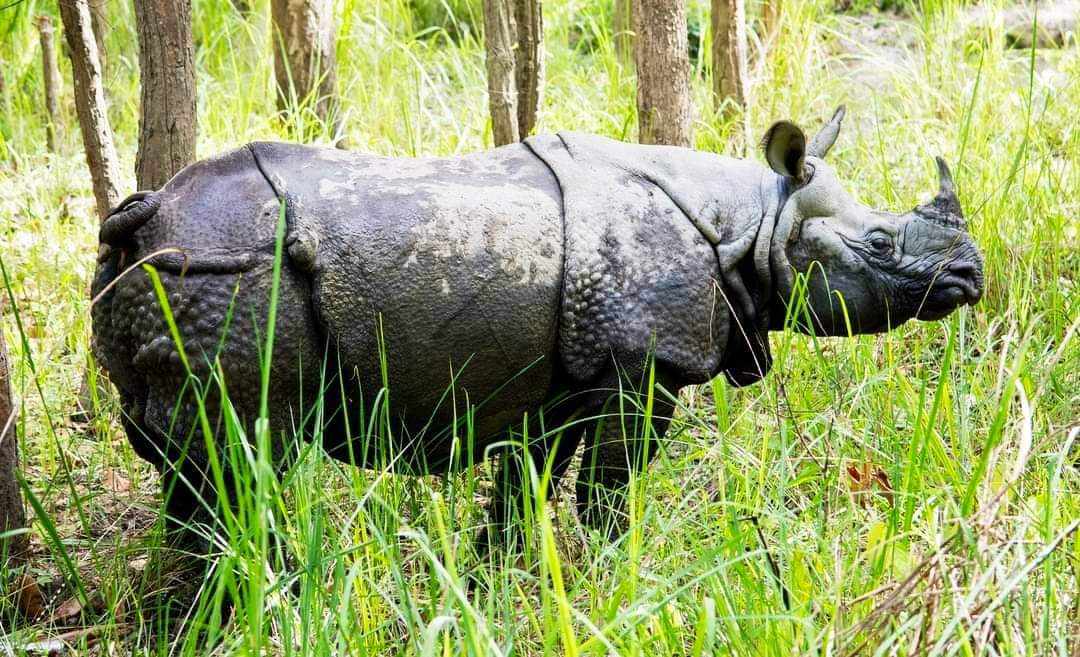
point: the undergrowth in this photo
(911, 493)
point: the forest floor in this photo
(908, 494)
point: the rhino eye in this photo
(881, 244)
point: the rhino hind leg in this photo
(179, 455)
(166, 431)
(170, 584)
(192, 499)
(618, 443)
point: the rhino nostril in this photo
(963, 268)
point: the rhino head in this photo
(865, 270)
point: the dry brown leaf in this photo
(115, 482)
(30, 600)
(881, 478)
(119, 610)
(72, 608)
(865, 477)
(68, 610)
(857, 477)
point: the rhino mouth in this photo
(948, 293)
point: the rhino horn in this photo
(945, 207)
(826, 137)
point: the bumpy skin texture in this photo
(221, 214)
(536, 280)
(229, 255)
(647, 236)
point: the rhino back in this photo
(456, 262)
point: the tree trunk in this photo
(305, 66)
(623, 30)
(12, 513)
(663, 72)
(90, 104)
(167, 120)
(729, 55)
(770, 17)
(83, 38)
(99, 22)
(499, 40)
(51, 76)
(528, 62)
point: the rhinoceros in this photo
(544, 284)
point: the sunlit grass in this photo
(751, 534)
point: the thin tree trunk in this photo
(729, 54)
(305, 66)
(99, 21)
(83, 39)
(770, 17)
(528, 63)
(663, 72)
(499, 41)
(51, 75)
(167, 120)
(90, 104)
(623, 30)
(12, 513)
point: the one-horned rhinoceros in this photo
(540, 282)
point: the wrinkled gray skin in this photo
(540, 277)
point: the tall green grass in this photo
(750, 533)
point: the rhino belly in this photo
(449, 271)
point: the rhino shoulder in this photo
(640, 279)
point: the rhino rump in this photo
(211, 240)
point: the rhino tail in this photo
(132, 213)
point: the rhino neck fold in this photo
(715, 218)
(770, 255)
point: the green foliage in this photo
(456, 18)
(971, 549)
(861, 6)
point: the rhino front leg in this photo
(619, 441)
(556, 443)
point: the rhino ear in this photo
(826, 137)
(785, 150)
